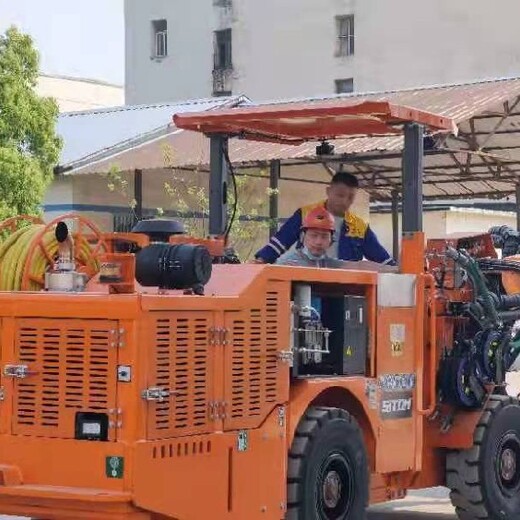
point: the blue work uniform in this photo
(355, 242)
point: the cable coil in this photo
(29, 249)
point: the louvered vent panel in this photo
(182, 365)
(252, 379)
(72, 366)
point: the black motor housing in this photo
(159, 229)
(168, 266)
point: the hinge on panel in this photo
(218, 336)
(286, 356)
(217, 410)
(2, 393)
(116, 418)
(155, 393)
(118, 339)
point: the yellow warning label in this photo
(397, 338)
(348, 351)
(397, 348)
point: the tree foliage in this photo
(193, 200)
(29, 146)
(189, 198)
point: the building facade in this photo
(273, 49)
(75, 94)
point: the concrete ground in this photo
(432, 504)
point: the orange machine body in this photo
(198, 399)
(223, 430)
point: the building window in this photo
(344, 86)
(159, 38)
(223, 51)
(345, 35)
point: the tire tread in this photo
(314, 420)
(463, 467)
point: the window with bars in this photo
(159, 38)
(223, 56)
(345, 35)
(344, 86)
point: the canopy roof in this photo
(483, 160)
(295, 123)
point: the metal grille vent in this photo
(181, 366)
(71, 368)
(254, 360)
(181, 449)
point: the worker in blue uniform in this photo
(354, 238)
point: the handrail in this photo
(432, 337)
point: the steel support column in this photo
(412, 177)
(218, 180)
(395, 224)
(518, 207)
(274, 176)
(138, 194)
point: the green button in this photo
(114, 467)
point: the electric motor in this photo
(167, 266)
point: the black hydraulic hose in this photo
(489, 264)
(509, 301)
(509, 316)
(478, 281)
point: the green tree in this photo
(248, 230)
(187, 193)
(29, 145)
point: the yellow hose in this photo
(15, 253)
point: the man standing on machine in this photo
(354, 238)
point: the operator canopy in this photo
(295, 123)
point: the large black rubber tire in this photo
(485, 480)
(328, 446)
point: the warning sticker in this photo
(397, 338)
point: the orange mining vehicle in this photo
(149, 376)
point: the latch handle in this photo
(157, 394)
(18, 371)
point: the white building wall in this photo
(73, 94)
(437, 224)
(287, 48)
(405, 43)
(477, 220)
(186, 72)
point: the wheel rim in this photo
(508, 463)
(335, 487)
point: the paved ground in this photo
(425, 505)
(432, 504)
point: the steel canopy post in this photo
(412, 245)
(395, 224)
(518, 207)
(413, 177)
(274, 177)
(138, 194)
(218, 180)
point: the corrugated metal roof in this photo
(487, 113)
(459, 102)
(89, 134)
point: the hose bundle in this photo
(28, 252)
